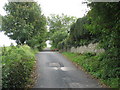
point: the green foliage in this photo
(101, 25)
(0, 22)
(80, 34)
(97, 66)
(105, 19)
(24, 22)
(17, 65)
(59, 27)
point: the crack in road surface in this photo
(54, 71)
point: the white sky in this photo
(68, 7)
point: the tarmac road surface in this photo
(55, 71)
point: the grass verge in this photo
(93, 64)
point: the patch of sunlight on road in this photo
(64, 68)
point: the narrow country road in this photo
(55, 71)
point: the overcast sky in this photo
(68, 7)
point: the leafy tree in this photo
(80, 34)
(23, 22)
(105, 20)
(59, 27)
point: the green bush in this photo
(98, 67)
(17, 65)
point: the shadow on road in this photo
(49, 50)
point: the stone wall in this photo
(84, 49)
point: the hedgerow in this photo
(101, 25)
(95, 65)
(17, 65)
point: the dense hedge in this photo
(96, 66)
(17, 65)
(101, 25)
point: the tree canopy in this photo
(59, 27)
(25, 23)
(106, 20)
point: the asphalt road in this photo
(55, 71)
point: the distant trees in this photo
(59, 27)
(79, 34)
(25, 23)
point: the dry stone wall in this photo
(85, 49)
